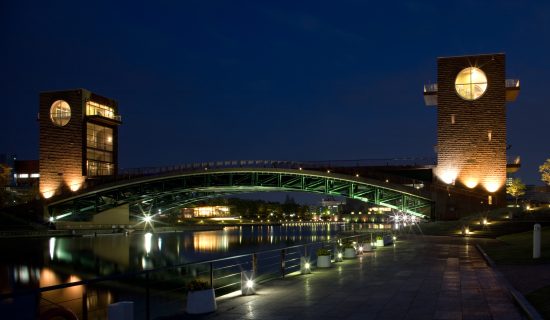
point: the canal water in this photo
(31, 263)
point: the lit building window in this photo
(35, 175)
(99, 137)
(99, 150)
(509, 181)
(489, 135)
(471, 83)
(97, 109)
(60, 113)
(23, 175)
(453, 119)
(208, 212)
(490, 200)
(96, 168)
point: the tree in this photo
(516, 189)
(544, 170)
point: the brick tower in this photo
(78, 139)
(471, 95)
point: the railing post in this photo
(211, 276)
(147, 291)
(283, 263)
(254, 264)
(84, 303)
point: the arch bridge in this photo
(173, 191)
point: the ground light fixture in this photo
(247, 283)
(339, 256)
(305, 265)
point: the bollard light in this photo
(305, 266)
(247, 283)
(339, 256)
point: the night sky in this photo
(279, 80)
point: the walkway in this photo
(418, 278)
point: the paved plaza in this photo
(417, 278)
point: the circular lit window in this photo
(60, 113)
(471, 83)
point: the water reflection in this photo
(147, 244)
(210, 241)
(34, 263)
(52, 247)
(55, 260)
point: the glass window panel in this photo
(99, 137)
(97, 109)
(60, 113)
(471, 83)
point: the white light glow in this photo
(448, 176)
(471, 182)
(249, 284)
(52, 247)
(147, 242)
(48, 194)
(492, 185)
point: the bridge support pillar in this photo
(119, 215)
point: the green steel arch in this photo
(176, 190)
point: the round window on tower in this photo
(60, 113)
(471, 83)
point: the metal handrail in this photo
(430, 88)
(512, 83)
(144, 171)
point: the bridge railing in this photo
(162, 291)
(147, 171)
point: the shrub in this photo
(198, 285)
(348, 245)
(323, 252)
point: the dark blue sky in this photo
(280, 80)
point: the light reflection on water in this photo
(51, 261)
(60, 260)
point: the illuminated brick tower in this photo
(78, 139)
(471, 95)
